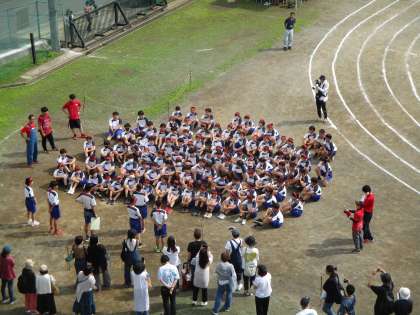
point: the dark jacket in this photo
(384, 304)
(29, 280)
(403, 307)
(333, 288)
(96, 255)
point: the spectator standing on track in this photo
(321, 96)
(193, 249)
(30, 202)
(262, 284)
(332, 290)
(226, 282)
(45, 129)
(384, 304)
(289, 25)
(368, 200)
(27, 286)
(28, 132)
(356, 216)
(403, 305)
(233, 248)
(7, 274)
(97, 257)
(304, 303)
(72, 108)
(168, 277)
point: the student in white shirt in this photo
(54, 208)
(159, 217)
(304, 303)
(172, 251)
(30, 202)
(262, 284)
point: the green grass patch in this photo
(150, 67)
(11, 71)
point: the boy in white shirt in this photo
(304, 303)
(159, 217)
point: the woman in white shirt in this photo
(262, 284)
(85, 303)
(204, 259)
(44, 289)
(172, 251)
(140, 279)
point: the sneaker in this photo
(157, 250)
(290, 47)
(243, 222)
(214, 313)
(237, 220)
(240, 286)
(194, 303)
(35, 223)
(204, 303)
(70, 191)
(12, 302)
(4, 301)
(221, 216)
(210, 215)
(29, 222)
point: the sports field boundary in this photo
(77, 53)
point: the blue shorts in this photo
(235, 211)
(143, 211)
(276, 224)
(30, 204)
(55, 212)
(315, 198)
(160, 232)
(280, 198)
(136, 225)
(296, 213)
(88, 214)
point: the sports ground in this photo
(370, 53)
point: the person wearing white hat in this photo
(404, 304)
(44, 289)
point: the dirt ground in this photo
(275, 85)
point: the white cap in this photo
(404, 293)
(43, 268)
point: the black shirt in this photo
(332, 287)
(384, 300)
(289, 23)
(403, 307)
(96, 255)
(29, 280)
(194, 248)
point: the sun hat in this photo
(7, 249)
(43, 268)
(404, 293)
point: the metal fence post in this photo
(33, 52)
(52, 13)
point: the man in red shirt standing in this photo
(368, 205)
(45, 129)
(73, 107)
(356, 216)
(28, 132)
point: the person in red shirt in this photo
(356, 216)
(45, 129)
(72, 108)
(368, 205)
(28, 132)
(7, 274)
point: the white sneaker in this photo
(221, 216)
(35, 223)
(203, 303)
(240, 286)
(210, 215)
(243, 222)
(194, 303)
(237, 220)
(30, 222)
(71, 191)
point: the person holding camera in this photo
(331, 290)
(356, 216)
(321, 96)
(384, 304)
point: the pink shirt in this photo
(7, 265)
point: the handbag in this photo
(54, 289)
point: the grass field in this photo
(150, 67)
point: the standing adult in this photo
(27, 286)
(193, 248)
(97, 257)
(7, 274)
(403, 305)
(226, 281)
(202, 275)
(321, 96)
(234, 248)
(250, 258)
(168, 277)
(306, 310)
(79, 254)
(29, 133)
(356, 216)
(72, 108)
(45, 129)
(129, 255)
(141, 283)
(368, 205)
(87, 199)
(85, 302)
(45, 293)
(172, 251)
(384, 304)
(289, 25)
(263, 290)
(332, 288)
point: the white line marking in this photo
(384, 73)
(343, 101)
(96, 57)
(311, 57)
(407, 67)
(359, 77)
(204, 50)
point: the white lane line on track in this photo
(365, 156)
(359, 77)
(407, 66)
(343, 101)
(384, 72)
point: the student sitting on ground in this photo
(273, 217)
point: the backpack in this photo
(235, 254)
(21, 285)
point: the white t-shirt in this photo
(43, 284)
(236, 241)
(263, 286)
(307, 311)
(173, 257)
(141, 291)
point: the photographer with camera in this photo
(321, 96)
(356, 216)
(384, 303)
(332, 289)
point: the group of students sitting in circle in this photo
(195, 163)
